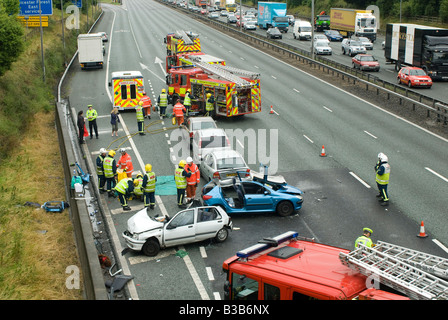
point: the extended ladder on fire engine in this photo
(392, 272)
(227, 73)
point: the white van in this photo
(302, 30)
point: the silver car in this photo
(352, 47)
(206, 141)
(198, 123)
(366, 43)
(223, 166)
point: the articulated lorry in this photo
(348, 22)
(272, 14)
(90, 51)
(419, 46)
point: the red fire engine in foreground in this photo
(288, 268)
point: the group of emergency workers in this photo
(142, 186)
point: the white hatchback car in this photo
(149, 235)
(206, 141)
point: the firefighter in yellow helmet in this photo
(162, 102)
(187, 101)
(210, 105)
(110, 172)
(125, 189)
(140, 118)
(149, 187)
(180, 177)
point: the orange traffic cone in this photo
(272, 110)
(323, 154)
(422, 233)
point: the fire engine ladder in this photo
(184, 36)
(432, 264)
(411, 281)
(224, 73)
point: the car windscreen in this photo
(367, 58)
(214, 142)
(417, 72)
(355, 43)
(231, 162)
(202, 125)
(281, 19)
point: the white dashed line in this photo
(374, 137)
(360, 180)
(437, 174)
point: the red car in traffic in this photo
(365, 62)
(414, 77)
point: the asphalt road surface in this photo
(339, 189)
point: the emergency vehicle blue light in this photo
(267, 243)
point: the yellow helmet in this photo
(136, 182)
(163, 90)
(148, 168)
(112, 153)
(209, 95)
(188, 90)
(140, 103)
(182, 163)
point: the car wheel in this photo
(285, 208)
(409, 84)
(222, 235)
(398, 80)
(354, 66)
(343, 51)
(151, 248)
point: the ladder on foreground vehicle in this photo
(432, 264)
(394, 273)
(227, 73)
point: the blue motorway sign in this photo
(31, 7)
(78, 3)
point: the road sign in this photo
(78, 3)
(33, 21)
(31, 7)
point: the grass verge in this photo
(36, 246)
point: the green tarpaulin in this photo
(165, 186)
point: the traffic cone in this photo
(422, 233)
(323, 154)
(272, 111)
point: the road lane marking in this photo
(296, 90)
(306, 137)
(360, 180)
(437, 242)
(217, 295)
(328, 109)
(374, 137)
(203, 252)
(194, 275)
(209, 273)
(437, 174)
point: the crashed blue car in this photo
(333, 35)
(259, 195)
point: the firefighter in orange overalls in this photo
(179, 110)
(193, 180)
(147, 104)
(125, 163)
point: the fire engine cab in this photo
(128, 88)
(287, 267)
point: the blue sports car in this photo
(262, 194)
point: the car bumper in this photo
(132, 243)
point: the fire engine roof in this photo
(313, 265)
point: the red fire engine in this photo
(235, 91)
(288, 268)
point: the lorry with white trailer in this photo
(272, 14)
(90, 51)
(418, 46)
(360, 23)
